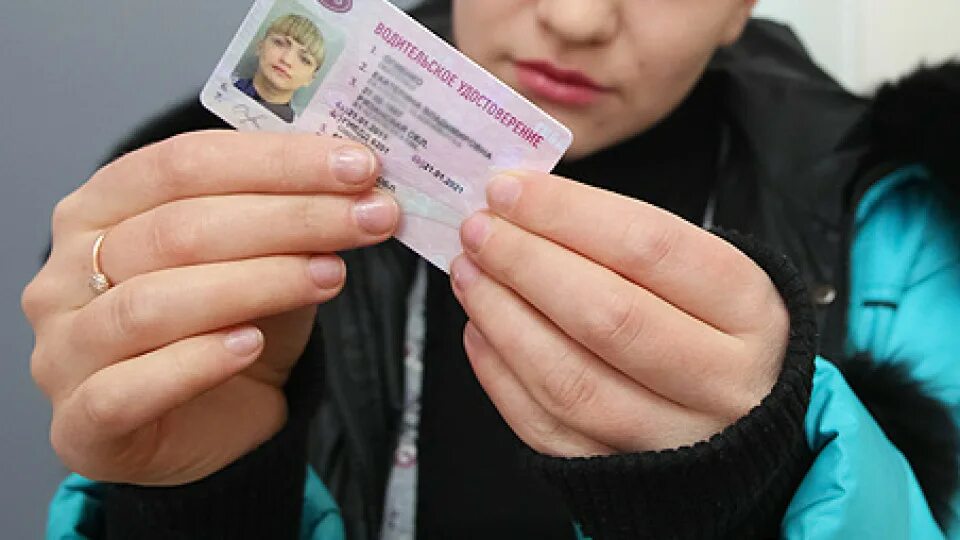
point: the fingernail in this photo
(327, 272)
(243, 342)
(503, 192)
(464, 272)
(377, 213)
(474, 231)
(352, 164)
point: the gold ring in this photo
(99, 282)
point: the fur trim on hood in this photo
(918, 119)
(920, 426)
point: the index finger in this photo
(690, 268)
(223, 162)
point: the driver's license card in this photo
(441, 125)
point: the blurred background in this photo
(77, 77)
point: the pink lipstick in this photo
(562, 86)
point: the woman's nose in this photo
(581, 21)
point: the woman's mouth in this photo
(283, 73)
(562, 86)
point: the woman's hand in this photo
(219, 246)
(601, 325)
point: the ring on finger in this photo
(99, 282)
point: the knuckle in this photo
(749, 374)
(645, 248)
(64, 446)
(183, 365)
(175, 235)
(761, 308)
(505, 255)
(287, 160)
(42, 369)
(766, 350)
(181, 159)
(64, 214)
(773, 311)
(41, 300)
(512, 270)
(543, 434)
(617, 325)
(104, 408)
(131, 313)
(737, 401)
(309, 215)
(569, 388)
(33, 298)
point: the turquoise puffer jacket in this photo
(905, 253)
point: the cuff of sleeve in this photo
(258, 496)
(738, 483)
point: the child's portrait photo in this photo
(286, 61)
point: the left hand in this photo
(600, 324)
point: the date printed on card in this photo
(364, 70)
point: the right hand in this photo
(219, 246)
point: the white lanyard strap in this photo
(400, 502)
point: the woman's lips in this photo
(566, 87)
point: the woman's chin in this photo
(585, 145)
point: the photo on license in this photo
(293, 50)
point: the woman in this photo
(289, 57)
(661, 377)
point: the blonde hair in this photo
(304, 31)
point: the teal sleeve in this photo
(76, 511)
(904, 308)
(321, 516)
(860, 485)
